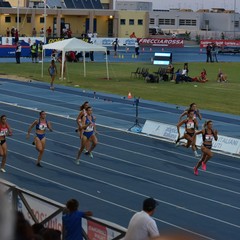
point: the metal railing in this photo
(30, 204)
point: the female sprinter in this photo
(39, 140)
(5, 130)
(79, 117)
(89, 130)
(192, 106)
(208, 134)
(52, 70)
(189, 134)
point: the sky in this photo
(193, 4)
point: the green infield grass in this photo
(221, 97)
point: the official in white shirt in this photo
(142, 226)
(18, 52)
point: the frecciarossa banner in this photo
(162, 42)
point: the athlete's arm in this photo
(31, 127)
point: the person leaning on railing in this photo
(72, 221)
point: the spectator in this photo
(115, 46)
(13, 32)
(222, 36)
(34, 32)
(34, 52)
(170, 70)
(142, 225)
(133, 35)
(136, 47)
(221, 77)
(214, 52)
(54, 55)
(183, 75)
(42, 32)
(185, 67)
(7, 32)
(72, 221)
(208, 52)
(49, 31)
(40, 51)
(91, 53)
(69, 33)
(203, 76)
(89, 35)
(18, 52)
(23, 230)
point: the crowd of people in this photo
(182, 75)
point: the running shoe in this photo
(89, 154)
(196, 154)
(39, 165)
(77, 161)
(3, 170)
(195, 171)
(177, 142)
(204, 166)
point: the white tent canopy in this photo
(74, 44)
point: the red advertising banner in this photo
(220, 43)
(161, 42)
(96, 231)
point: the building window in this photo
(29, 19)
(18, 19)
(122, 21)
(236, 24)
(152, 21)
(140, 22)
(41, 19)
(187, 22)
(7, 19)
(162, 21)
(131, 21)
